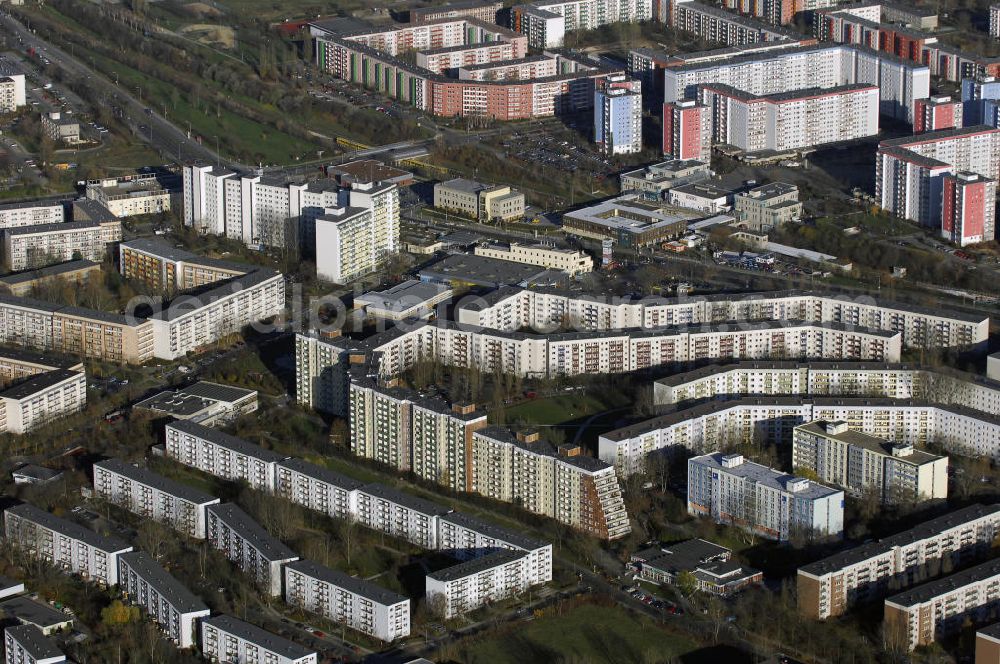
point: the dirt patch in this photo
(212, 35)
(201, 9)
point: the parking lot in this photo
(557, 145)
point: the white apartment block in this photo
(467, 586)
(25, 644)
(347, 600)
(715, 24)
(799, 68)
(511, 309)
(189, 323)
(859, 463)
(573, 262)
(562, 484)
(36, 401)
(12, 93)
(354, 240)
(317, 488)
(28, 247)
(36, 213)
(410, 432)
(544, 28)
(592, 14)
(707, 426)
(831, 586)
(153, 496)
(64, 544)
(830, 379)
(221, 454)
(248, 546)
(995, 21)
(791, 120)
(734, 491)
(465, 537)
(174, 608)
(922, 615)
(910, 171)
(401, 515)
(228, 639)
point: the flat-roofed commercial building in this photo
(863, 464)
(630, 221)
(465, 587)
(221, 454)
(206, 403)
(408, 299)
(228, 639)
(710, 564)
(831, 586)
(347, 600)
(165, 600)
(153, 496)
(573, 262)
(142, 193)
(479, 201)
(317, 488)
(25, 644)
(64, 544)
(250, 547)
(28, 247)
(776, 505)
(921, 615)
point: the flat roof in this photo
(871, 443)
(407, 500)
(217, 391)
(45, 519)
(34, 642)
(764, 476)
(48, 271)
(481, 270)
(991, 631)
(268, 546)
(36, 472)
(175, 592)
(926, 530)
(477, 565)
(938, 135)
(260, 637)
(188, 401)
(34, 613)
(159, 482)
(58, 227)
(320, 473)
(493, 531)
(939, 587)
(37, 357)
(188, 303)
(35, 384)
(631, 214)
(704, 190)
(226, 440)
(403, 296)
(353, 584)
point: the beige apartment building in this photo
(859, 463)
(167, 268)
(479, 201)
(768, 206)
(569, 261)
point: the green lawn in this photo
(563, 408)
(586, 634)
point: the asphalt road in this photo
(150, 127)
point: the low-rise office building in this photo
(28, 247)
(479, 201)
(711, 566)
(205, 403)
(64, 544)
(347, 600)
(408, 299)
(25, 644)
(831, 586)
(467, 586)
(863, 464)
(174, 608)
(153, 496)
(629, 221)
(732, 490)
(225, 638)
(922, 615)
(573, 262)
(250, 547)
(221, 454)
(768, 206)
